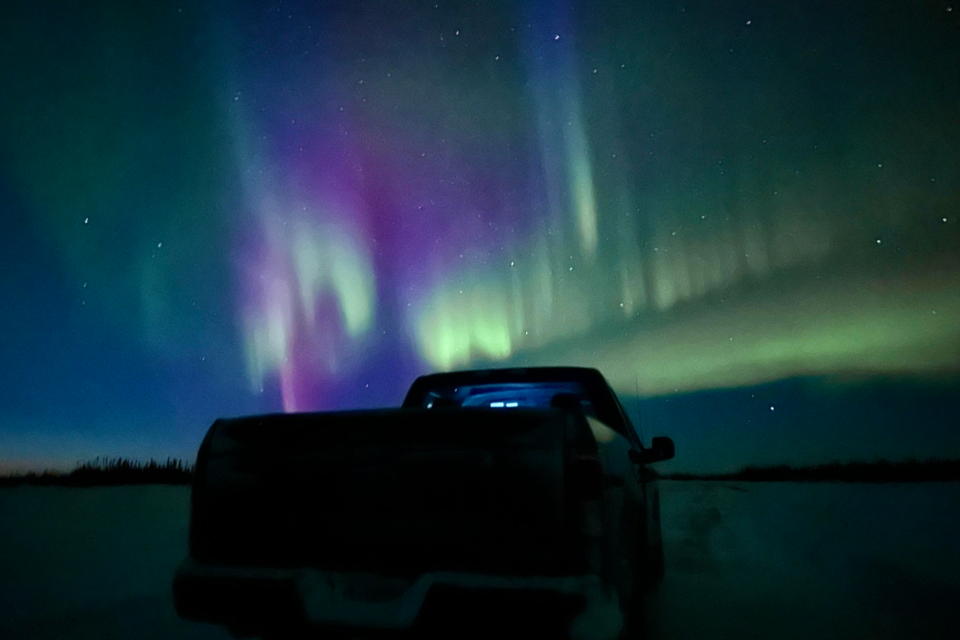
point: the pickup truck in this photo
(494, 500)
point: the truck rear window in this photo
(514, 395)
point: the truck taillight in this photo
(586, 477)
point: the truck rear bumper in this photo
(258, 598)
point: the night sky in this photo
(744, 213)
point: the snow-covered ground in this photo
(791, 560)
(766, 560)
(93, 563)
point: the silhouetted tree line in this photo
(933, 470)
(119, 471)
(109, 472)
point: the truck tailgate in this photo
(397, 492)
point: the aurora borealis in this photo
(222, 208)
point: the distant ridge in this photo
(932, 470)
(108, 472)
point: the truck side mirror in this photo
(663, 448)
(660, 449)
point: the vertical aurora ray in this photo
(310, 301)
(308, 286)
(580, 179)
(556, 94)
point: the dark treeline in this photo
(934, 470)
(118, 471)
(108, 472)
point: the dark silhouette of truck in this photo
(493, 500)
